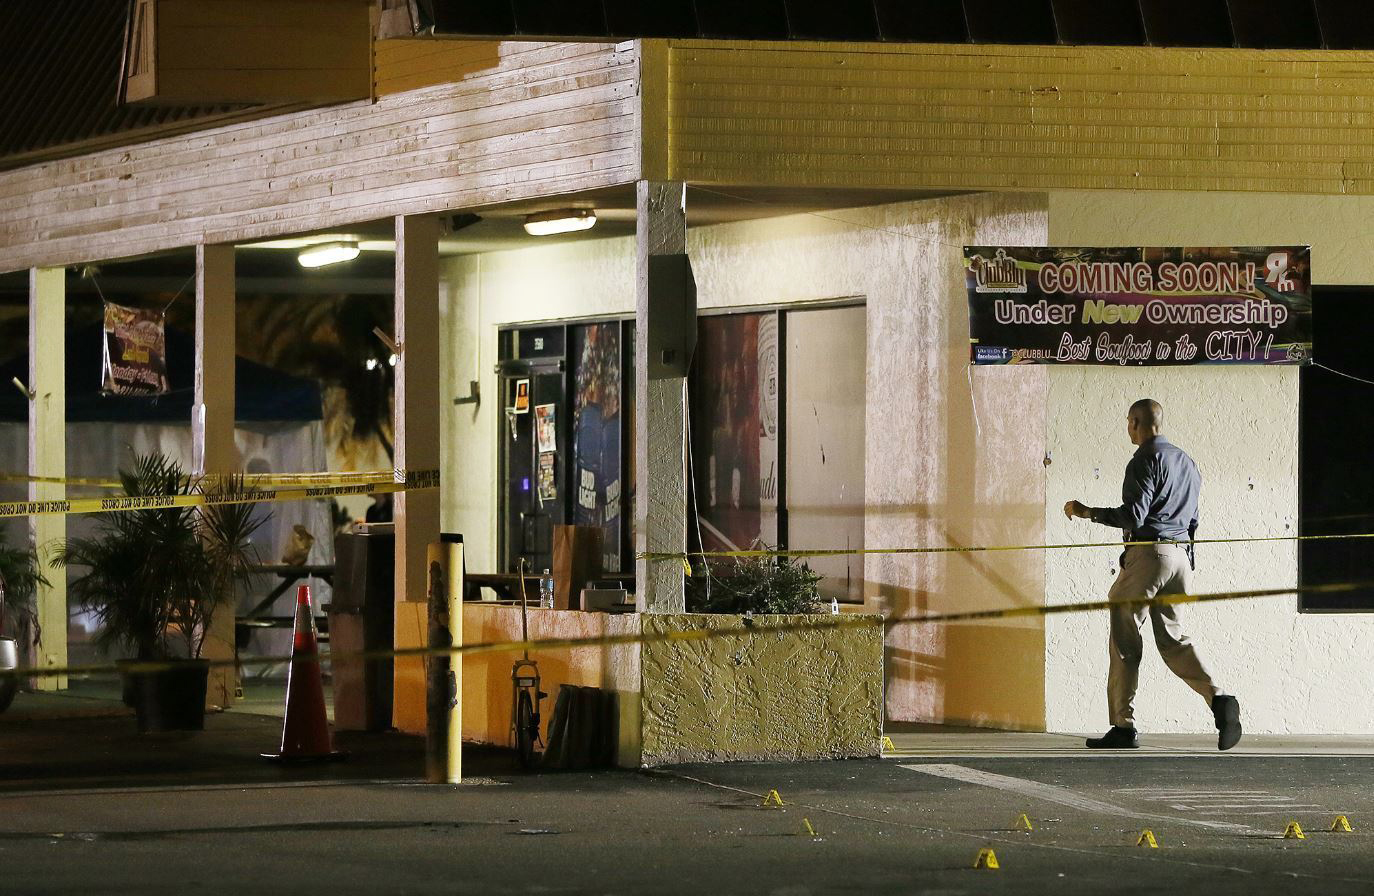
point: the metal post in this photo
(444, 673)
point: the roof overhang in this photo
(250, 51)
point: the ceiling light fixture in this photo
(563, 220)
(321, 254)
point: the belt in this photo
(1150, 536)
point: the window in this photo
(564, 448)
(1336, 472)
(777, 435)
(777, 406)
(598, 436)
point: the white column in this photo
(212, 426)
(416, 514)
(48, 453)
(660, 408)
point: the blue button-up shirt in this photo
(1159, 495)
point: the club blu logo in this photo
(997, 274)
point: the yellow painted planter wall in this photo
(487, 677)
(785, 695)
(797, 695)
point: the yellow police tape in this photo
(213, 479)
(267, 479)
(748, 628)
(412, 480)
(680, 557)
(320, 485)
(60, 480)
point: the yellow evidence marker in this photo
(1294, 832)
(1023, 823)
(1341, 825)
(1147, 838)
(773, 799)
(887, 745)
(808, 830)
(986, 859)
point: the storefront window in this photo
(777, 436)
(597, 435)
(565, 437)
(734, 439)
(776, 404)
(1336, 479)
(825, 410)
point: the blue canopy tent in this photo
(278, 428)
(261, 394)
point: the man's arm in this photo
(1137, 493)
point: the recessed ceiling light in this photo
(322, 254)
(563, 220)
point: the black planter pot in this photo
(127, 686)
(168, 699)
(9, 659)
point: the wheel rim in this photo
(524, 723)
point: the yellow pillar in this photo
(416, 514)
(48, 453)
(212, 427)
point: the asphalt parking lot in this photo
(88, 806)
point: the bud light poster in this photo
(1139, 307)
(596, 435)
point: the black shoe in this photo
(1116, 739)
(1226, 710)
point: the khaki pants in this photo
(1150, 570)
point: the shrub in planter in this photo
(755, 585)
(153, 578)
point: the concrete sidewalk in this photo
(949, 741)
(86, 737)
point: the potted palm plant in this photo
(20, 576)
(154, 577)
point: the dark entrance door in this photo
(535, 486)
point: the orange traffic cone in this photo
(305, 731)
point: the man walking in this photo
(1158, 505)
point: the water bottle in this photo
(834, 606)
(546, 590)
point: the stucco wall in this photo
(1240, 424)
(953, 459)
(933, 474)
(810, 694)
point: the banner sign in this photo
(134, 358)
(1139, 306)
